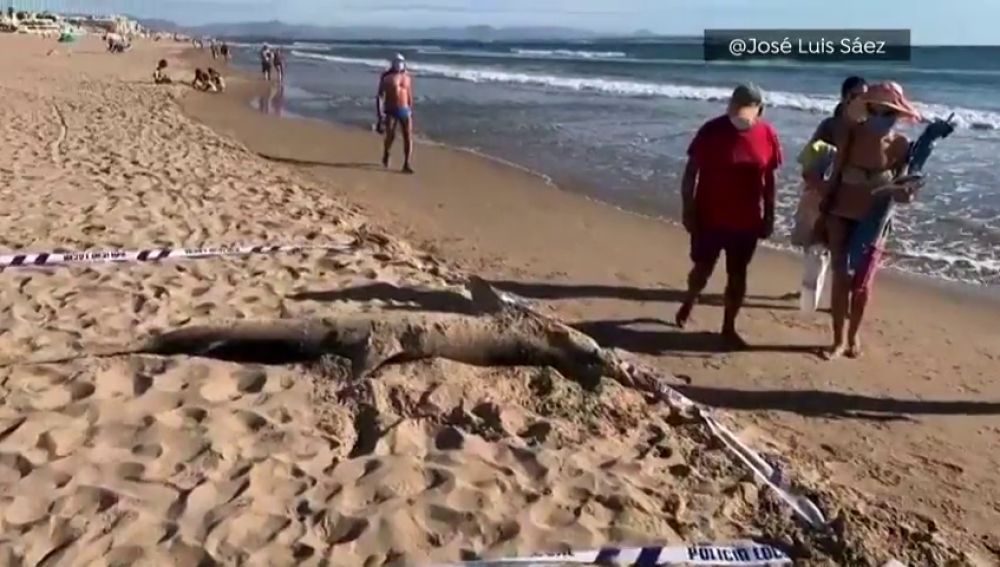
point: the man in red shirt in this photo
(728, 196)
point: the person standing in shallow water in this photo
(279, 64)
(728, 201)
(266, 61)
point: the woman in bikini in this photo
(872, 155)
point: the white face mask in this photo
(741, 123)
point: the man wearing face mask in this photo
(394, 104)
(870, 156)
(728, 200)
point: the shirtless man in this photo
(266, 61)
(394, 104)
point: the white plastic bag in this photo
(816, 264)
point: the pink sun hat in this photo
(890, 95)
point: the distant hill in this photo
(158, 25)
(285, 31)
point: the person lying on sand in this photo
(870, 156)
(160, 74)
(394, 104)
(216, 81)
(728, 201)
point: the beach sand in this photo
(145, 459)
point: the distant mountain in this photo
(158, 25)
(644, 34)
(283, 31)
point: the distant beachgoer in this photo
(266, 61)
(216, 81)
(870, 156)
(117, 43)
(279, 64)
(728, 200)
(201, 80)
(160, 74)
(215, 49)
(225, 51)
(394, 104)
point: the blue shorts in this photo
(401, 113)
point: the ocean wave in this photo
(310, 45)
(984, 267)
(317, 46)
(964, 117)
(571, 53)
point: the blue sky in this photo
(936, 21)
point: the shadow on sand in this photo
(833, 405)
(619, 334)
(364, 166)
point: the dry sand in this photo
(147, 459)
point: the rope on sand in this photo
(41, 259)
(742, 554)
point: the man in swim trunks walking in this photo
(394, 104)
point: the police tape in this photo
(772, 476)
(41, 259)
(743, 554)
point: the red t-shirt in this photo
(732, 168)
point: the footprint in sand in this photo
(130, 471)
(148, 450)
(84, 502)
(179, 418)
(225, 386)
(61, 396)
(345, 529)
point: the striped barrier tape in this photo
(745, 554)
(40, 259)
(770, 475)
